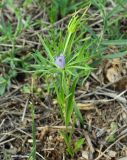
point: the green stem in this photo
(66, 44)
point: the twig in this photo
(124, 106)
(113, 95)
(3, 138)
(2, 123)
(54, 127)
(89, 142)
(11, 93)
(86, 106)
(24, 111)
(10, 45)
(106, 156)
(20, 130)
(40, 155)
(29, 42)
(19, 156)
(9, 140)
(48, 149)
(97, 101)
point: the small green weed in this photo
(64, 70)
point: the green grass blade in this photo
(33, 152)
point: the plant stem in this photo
(66, 44)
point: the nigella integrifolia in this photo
(60, 61)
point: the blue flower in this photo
(60, 61)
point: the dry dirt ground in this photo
(103, 107)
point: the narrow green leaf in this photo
(65, 138)
(59, 98)
(115, 42)
(78, 113)
(70, 151)
(77, 67)
(70, 102)
(39, 58)
(79, 143)
(115, 55)
(46, 48)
